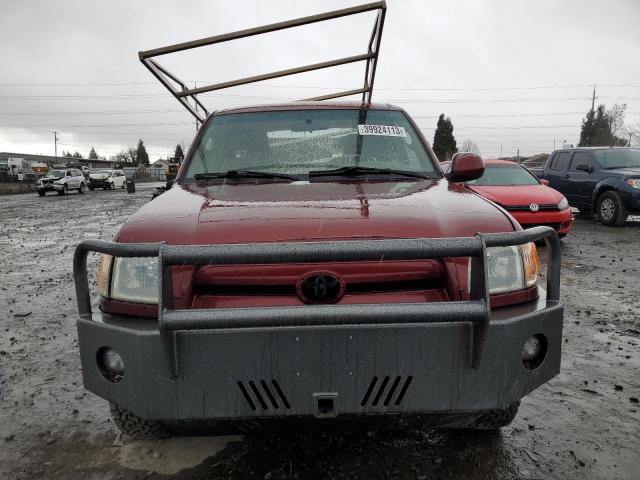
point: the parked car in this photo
(107, 179)
(604, 181)
(62, 181)
(531, 202)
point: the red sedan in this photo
(529, 200)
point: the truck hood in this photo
(99, 176)
(313, 211)
(629, 171)
(518, 194)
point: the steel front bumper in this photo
(375, 369)
(321, 360)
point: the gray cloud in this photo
(72, 66)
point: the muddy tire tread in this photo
(137, 428)
(495, 419)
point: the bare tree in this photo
(631, 132)
(470, 146)
(616, 118)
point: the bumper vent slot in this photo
(378, 393)
(261, 394)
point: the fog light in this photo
(110, 364)
(534, 351)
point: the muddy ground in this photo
(583, 424)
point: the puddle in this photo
(170, 456)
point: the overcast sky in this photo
(510, 74)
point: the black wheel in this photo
(41, 193)
(64, 190)
(81, 189)
(495, 419)
(137, 428)
(610, 210)
(91, 187)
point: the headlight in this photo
(39, 182)
(634, 183)
(564, 203)
(135, 280)
(512, 268)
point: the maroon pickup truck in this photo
(310, 265)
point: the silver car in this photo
(61, 180)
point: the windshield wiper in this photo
(243, 174)
(356, 171)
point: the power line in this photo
(324, 87)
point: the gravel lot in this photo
(583, 424)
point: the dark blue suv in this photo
(600, 180)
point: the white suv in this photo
(61, 180)
(107, 179)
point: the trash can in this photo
(131, 185)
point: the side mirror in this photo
(583, 167)
(466, 167)
(544, 181)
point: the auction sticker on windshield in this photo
(385, 130)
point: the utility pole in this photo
(554, 143)
(593, 99)
(500, 150)
(195, 85)
(55, 143)
(629, 139)
(518, 155)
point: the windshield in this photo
(55, 173)
(297, 141)
(618, 157)
(505, 175)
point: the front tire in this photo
(81, 189)
(610, 210)
(64, 190)
(137, 428)
(41, 193)
(495, 419)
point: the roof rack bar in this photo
(263, 29)
(183, 93)
(377, 34)
(346, 93)
(160, 73)
(279, 73)
(178, 81)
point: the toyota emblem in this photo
(320, 287)
(534, 207)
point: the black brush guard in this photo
(170, 321)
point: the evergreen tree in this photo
(602, 135)
(92, 154)
(588, 131)
(599, 127)
(444, 143)
(142, 157)
(77, 155)
(178, 154)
